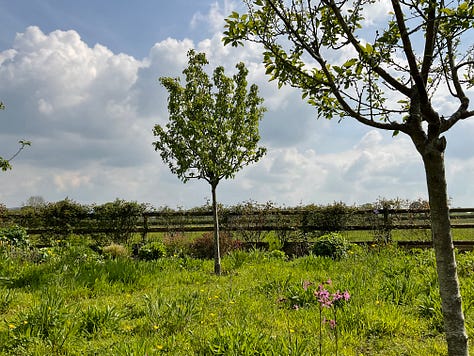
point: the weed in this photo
(260, 307)
(236, 341)
(170, 316)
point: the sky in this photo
(80, 81)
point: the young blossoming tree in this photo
(212, 131)
(391, 77)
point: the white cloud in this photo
(374, 166)
(89, 113)
(71, 180)
(376, 12)
(214, 19)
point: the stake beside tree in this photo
(212, 131)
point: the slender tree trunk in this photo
(217, 250)
(456, 335)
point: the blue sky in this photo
(120, 25)
(79, 79)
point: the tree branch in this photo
(355, 43)
(461, 113)
(408, 49)
(430, 37)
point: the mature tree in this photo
(390, 77)
(211, 133)
(5, 163)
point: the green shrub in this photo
(152, 251)
(3, 212)
(332, 245)
(328, 218)
(119, 218)
(61, 219)
(277, 254)
(115, 251)
(177, 244)
(14, 236)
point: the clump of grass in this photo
(94, 320)
(115, 251)
(47, 321)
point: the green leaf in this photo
(368, 48)
(463, 7)
(447, 11)
(350, 63)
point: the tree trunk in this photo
(456, 336)
(217, 250)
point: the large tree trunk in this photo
(217, 250)
(456, 336)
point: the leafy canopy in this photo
(382, 74)
(213, 125)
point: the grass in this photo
(75, 302)
(354, 235)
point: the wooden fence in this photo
(301, 219)
(381, 222)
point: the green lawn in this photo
(70, 301)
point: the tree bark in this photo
(217, 251)
(456, 336)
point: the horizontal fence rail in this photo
(306, 220)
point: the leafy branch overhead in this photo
(213, 126)
(304, 40)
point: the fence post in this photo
(145, 227)
(387, 225)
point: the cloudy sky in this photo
(80, 80)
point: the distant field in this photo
(409, 235)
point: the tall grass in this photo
(77, 303)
